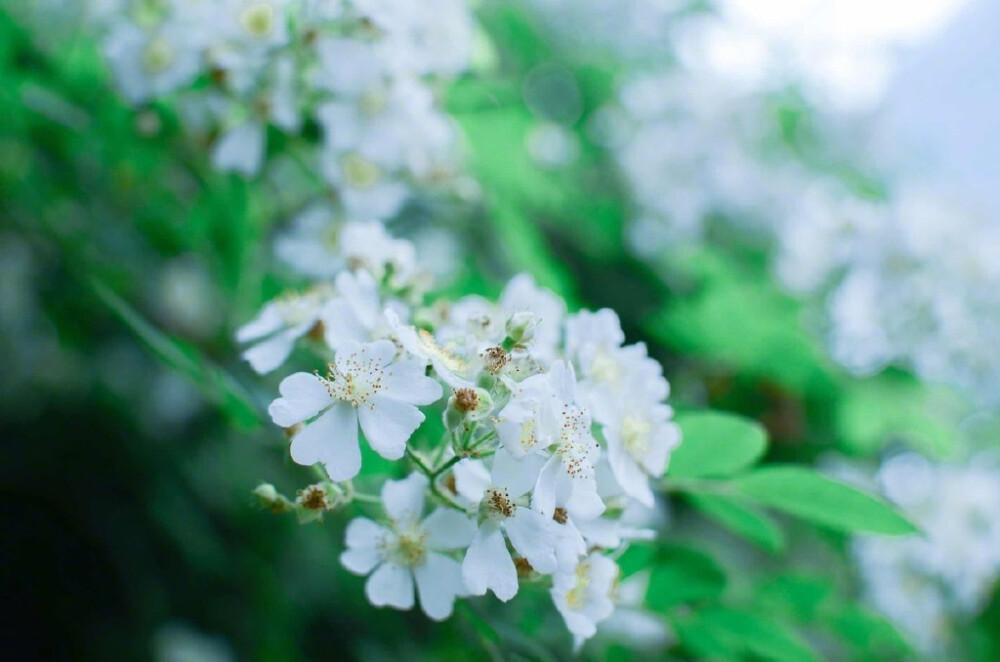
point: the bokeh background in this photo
(793, 204)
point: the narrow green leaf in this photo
(215, 383)
(716, 444)
(742, 519)
(683, 574)
(731, 633)
(804, 493)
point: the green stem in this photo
(320, 472)
(432, 475)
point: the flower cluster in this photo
(553, 428)
(926, 582)
(359, 70)
(905, 286)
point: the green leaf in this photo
(894, 407)
(731, 633)
(804, 493)
(716, 444)
(683, 574)
(215, 383)
(741, 518)
(870, 635)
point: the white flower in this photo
(356, 313)
(365, 386)
(583, 595)
(422, 344)
(240, 149)
(279, 324)
(541, 418)
(410, 550)
(369, 245)
(640, 436)
(426, 38)
(153, 63)
(522, 295)
(488, 565)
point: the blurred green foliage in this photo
(128, 510)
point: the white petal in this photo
(448, 529)
(439, 580)
(629, 475)
(584, 502)
(362, 533)
(390, 585)
(333, 440)
(471, 479)
(363, 539)
(405, 381)
(341, 325)
(379, 352)
(302, 396)
(268, 354)
(240, 149)
(404, 499)
(267, 322)
(360, 292)
(517, 475)
(488, 565)
(563, 380)
(545, 496)
(534, 537)
(388, 425)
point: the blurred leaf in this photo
(683, 574)
(726, 633)
(742, 519)
(869, 634)
(893, 406)
(736, 316)
(716, 444)
(798, 598)
(804, 493)
(215, 383)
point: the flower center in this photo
(296, 309)
(258, 19)
(635, 435)
(157, 56)
(604, 367)
(410, 548)
(372, 102)
(575, 444)
(358, 383)
(360, 172)
(497, 504)
(577, 596)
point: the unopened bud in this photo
(270, 498)
(521, 327)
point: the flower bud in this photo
(521, 327)
(269, 497)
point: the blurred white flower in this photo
(410, 550)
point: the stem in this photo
(444, 467)
(417, 461)
(320, 472)
(432, 475)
